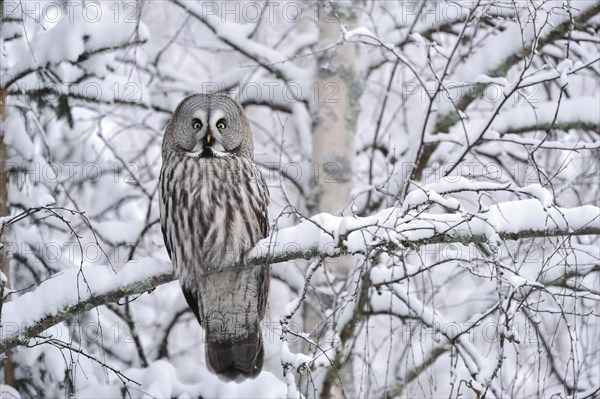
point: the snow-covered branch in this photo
(323, 236)
(236, 36)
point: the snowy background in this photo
(434, 175)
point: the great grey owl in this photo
(213, 210)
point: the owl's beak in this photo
(208, 138)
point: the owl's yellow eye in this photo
(196, 124)
(221, 124)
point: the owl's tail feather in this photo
(236, 359)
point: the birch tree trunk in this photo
(7, 364)
(335, 114)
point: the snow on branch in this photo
(578, 113)
(82, 42)
(236, 36)
(76, 290)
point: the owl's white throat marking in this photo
(202, 153)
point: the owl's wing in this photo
(263, 213)
(192, 301)
(261, 202)
(168, 222)
(262, 273)
(167, 244)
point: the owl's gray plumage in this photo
(213, 208)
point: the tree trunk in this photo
(8, 366)
(335, 113)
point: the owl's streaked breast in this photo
(211, 211)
